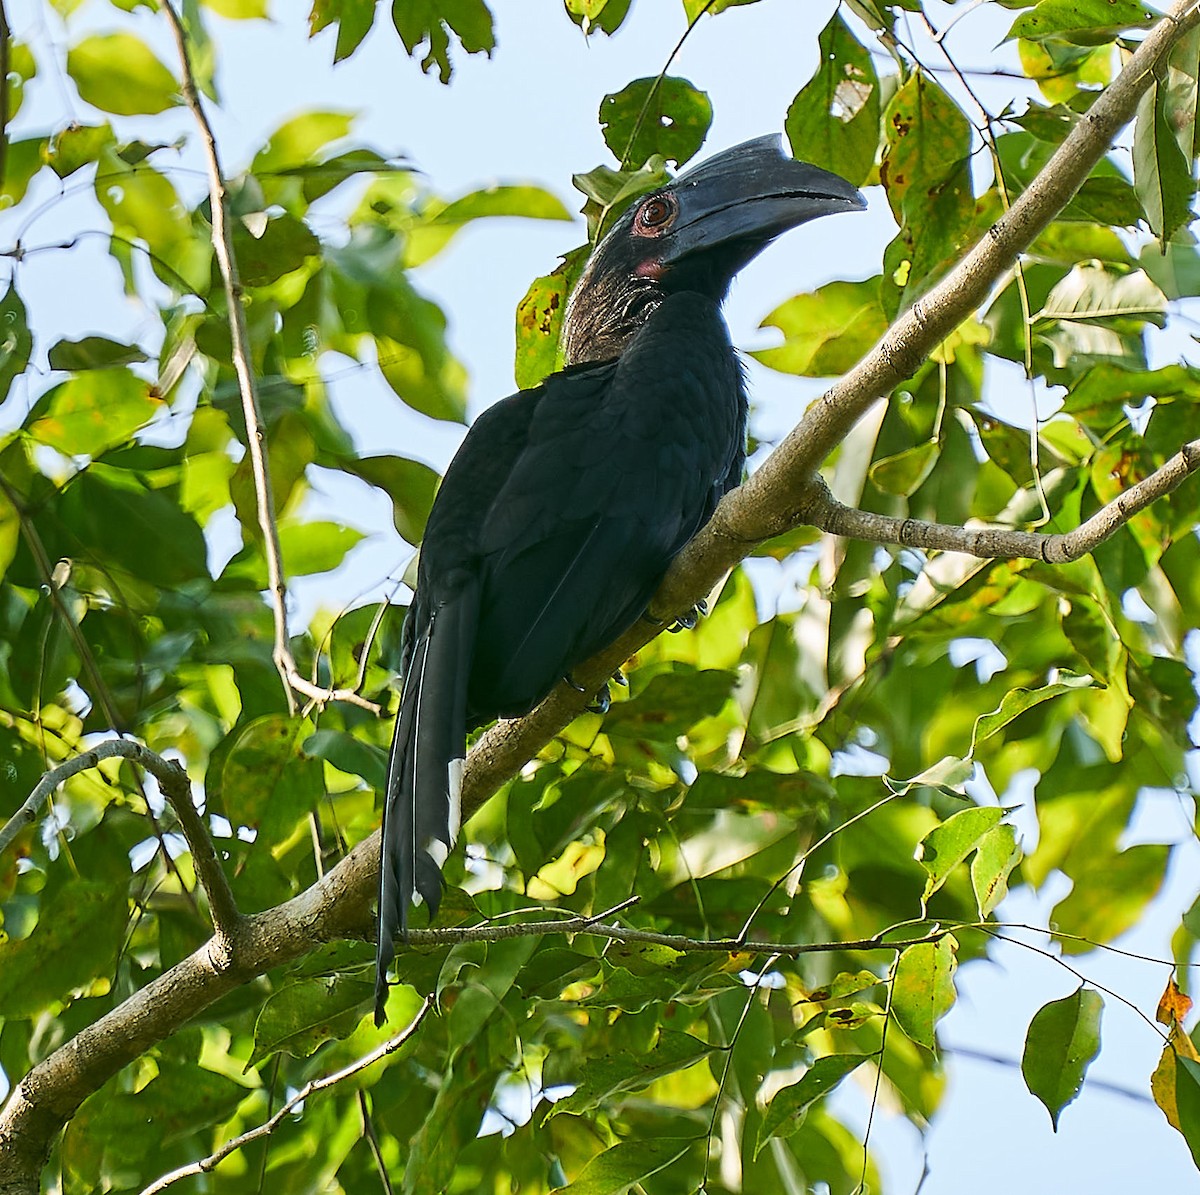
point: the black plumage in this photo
(566, 503)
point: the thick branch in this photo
(771, 501)
(176, 787)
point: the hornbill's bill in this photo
(559, 515)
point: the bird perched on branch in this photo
(566, 503)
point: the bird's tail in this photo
(421, 810)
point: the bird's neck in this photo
(604, 315)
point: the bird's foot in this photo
(602, 699)
(688, 619)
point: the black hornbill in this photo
(559, 515)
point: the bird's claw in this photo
(601, 701)
(619, 678)
(688, 619)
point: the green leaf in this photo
(1162, 173)
(923, 988)
(350, 755)
(834, 120)
(76, 939)
(238, 10)
(133, 527)
(1084, 22)
(671, 704)
(925, 171)
(314, 547)
(26, 157)
(905, 472)
(995, 858)
(264, 779)
(266, 255)
(827, 331)
(429, 23)
(93, 352)
(1110, 897)
(438, 225)
(667, 117)
(353, 18)
(88, 415)
(119, 73)
(616, 1169)
(1062, 1040)
(78, 145)
(410, 485)
(1090, 292)
(300, 139)
(301, 1017)
(624, 1072)
(609, 192)
(16, 341)
(1017, 701)
(1187, 1103)
(10, 532)
(947, 845)
(785, 1112)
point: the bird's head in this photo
(695, 234)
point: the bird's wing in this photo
(620, 470)
(421, 801)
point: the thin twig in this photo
(373, 1142)
(590, 927)
(210, 1163)
(222, 239)
(5, 60)
(176, 787)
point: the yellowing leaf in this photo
(923, 988)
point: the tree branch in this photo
(210, 1163)
(823, 510)
(774, 499)
(176, 787)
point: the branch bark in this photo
(780, 495)
(176, 787)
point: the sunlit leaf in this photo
(947, 845)
(834, 120)
(785, 1112)
(303, 1016)
(1062, 1040)
(995, 858)
(1087, 22)
(119, 73)
(664, 116)
(923, 988)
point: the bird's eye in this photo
(656, 212)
